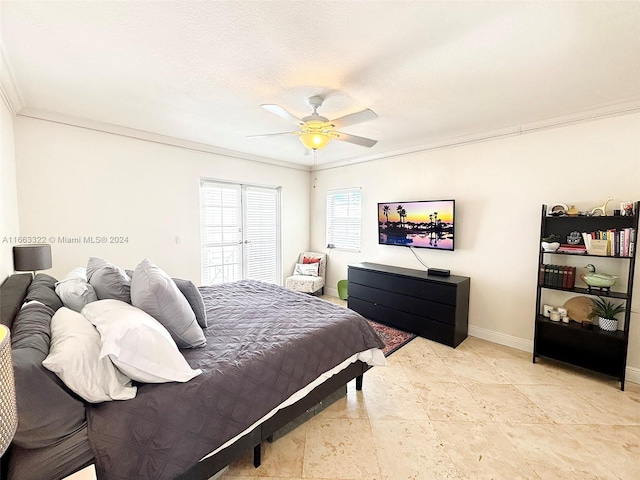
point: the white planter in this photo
(608, 324)
(550, 247)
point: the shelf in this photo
(585, 291)
(592, 347)
(595, 330)
(586, 255)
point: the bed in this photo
(271, 355)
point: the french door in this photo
(240, 227)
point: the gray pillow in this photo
(154, 292)
(75, 293)
(194, 297)
(108, 280)
(47, 411)
(42, 289)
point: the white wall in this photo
(499, 187)
(79, 182)
(9, 226)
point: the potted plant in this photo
(606, 311)
(550, 243)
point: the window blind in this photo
(344, 218)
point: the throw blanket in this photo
(264, 343)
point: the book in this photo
(557, 276)
(599, 247)
(572, 277)
(626, 239)
(575, 249)
(547, 273)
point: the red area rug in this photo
(393, 338)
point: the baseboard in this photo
(332, 292)
(632, 374)
(501, 339)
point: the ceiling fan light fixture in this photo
(314, 140)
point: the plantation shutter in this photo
(221, 231)
(240, 230)
(344, 218)
(261, 233)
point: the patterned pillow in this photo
(306, 260)
(310, 269)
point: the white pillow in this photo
(138, 344)
(306, 269)
(74, 356)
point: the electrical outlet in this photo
(178, 239)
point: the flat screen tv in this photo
(423, 224)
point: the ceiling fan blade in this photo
(345, 137)
(281, 112)
(270, 134)
(352, 119)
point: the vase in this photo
(550, 246)
(608, 324)
(573, 211)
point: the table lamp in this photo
(8, 410)
(30, 258)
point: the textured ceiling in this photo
(432, 71)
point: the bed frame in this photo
(265, 431)
(13, 291)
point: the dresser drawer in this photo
(419, 288)
(404, 303)
(437, 331)
(436, 308)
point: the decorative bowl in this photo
(598, 279)
(550, 246)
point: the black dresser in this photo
(433, 307)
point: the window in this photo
(344, 218)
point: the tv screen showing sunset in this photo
(424, 224)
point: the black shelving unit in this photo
(592, 348)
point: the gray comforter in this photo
(263, 344)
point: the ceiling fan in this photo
(315, 131)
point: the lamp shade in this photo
(29, 258)
(8, 410)
(315, 140)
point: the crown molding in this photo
(631, 106)
(152, 137)
(628, 107)
(8, 86)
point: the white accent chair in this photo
(309, 283)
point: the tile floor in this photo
(481, 411)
